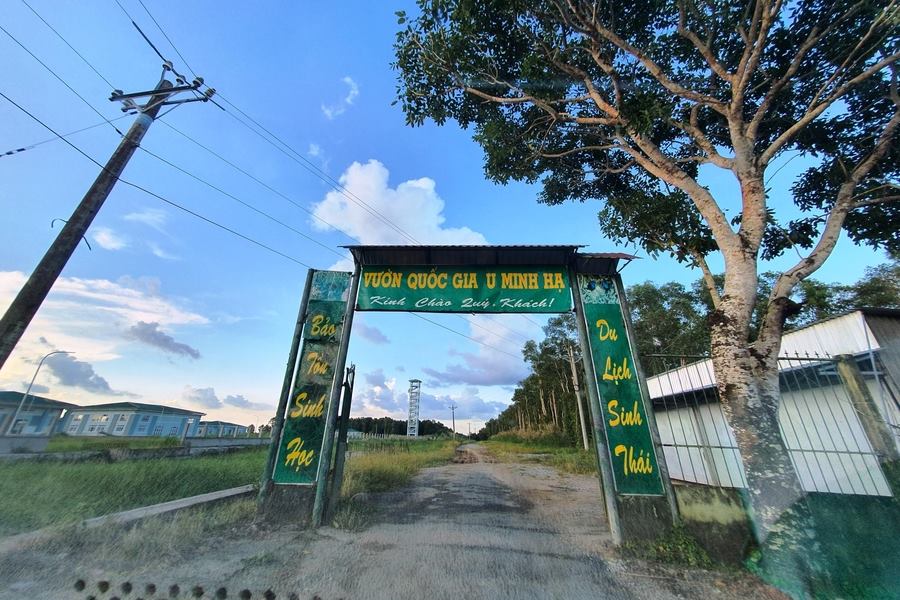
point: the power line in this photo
(310, 167)
(490, 331)
(518, 333)
(162, 31)
(267, 215)
(154, 194)
(61, 80)
(140, 31)
(59, 35)
(247, 204)
(256, 179)
(56, 138)
(293, 154)
(468, 337)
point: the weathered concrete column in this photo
(880, 437)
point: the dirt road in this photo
(476, 529)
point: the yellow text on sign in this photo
(606, 332)
(631, 464)
(322, 325)
(317, 366)
(622, 417)
(297, 457)
(303, 407)
(616, 372)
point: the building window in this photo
(18, 426)
(157, 430)
(173, 431)
(75, 423)
(120, 423)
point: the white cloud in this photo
(413, 207)
(158, 252)
(151, 217)
(88, 317)
(150, 334)
(498, 360)
(377, 396)
(70, 371)
(333, 110)
(207, 398)
(371, 333)
(108, 239)
(314, 150)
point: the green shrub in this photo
(677, 547)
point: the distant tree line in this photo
(672, 318)
(669, 319)
(389, 426)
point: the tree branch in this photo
(591, 26)
(814, 112)
(834, 223)
(701, 47)
(708, 278)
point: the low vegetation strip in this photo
(379, 465)
(548, 449)
(36, 495)
(65, 443)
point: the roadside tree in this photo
(632, 103)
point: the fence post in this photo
(876, 429)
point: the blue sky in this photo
(166, 308)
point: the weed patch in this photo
(34, 495)
(65, 443)
(564, 458)
(350, 516)
(677, 547)
(384, 468)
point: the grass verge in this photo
(380, 468)
(376, 466)
(40, 494)
(677, 547)
(542, 451)
(161, 540)
(65, 443)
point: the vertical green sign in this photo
(630, 444)
(304, 424)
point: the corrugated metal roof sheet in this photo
(521, 255)
(7, 398)
(140, 407)
(846, 333)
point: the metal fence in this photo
(821, 429)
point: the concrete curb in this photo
(15, 542)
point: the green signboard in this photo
(304, 423)
(630, 444)
(465, 290)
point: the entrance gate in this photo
(472, 279)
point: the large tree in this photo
(630, 102)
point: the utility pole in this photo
(453, 408)
(575, 386)
(26, 304)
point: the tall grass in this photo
(39, 494)
(376, 467)
(65, 443)
(544, 446)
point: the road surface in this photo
(475, 529)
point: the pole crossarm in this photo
(32, 295)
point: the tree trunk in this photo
(747, 381)
(543, 405)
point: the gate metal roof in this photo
(601, 263)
